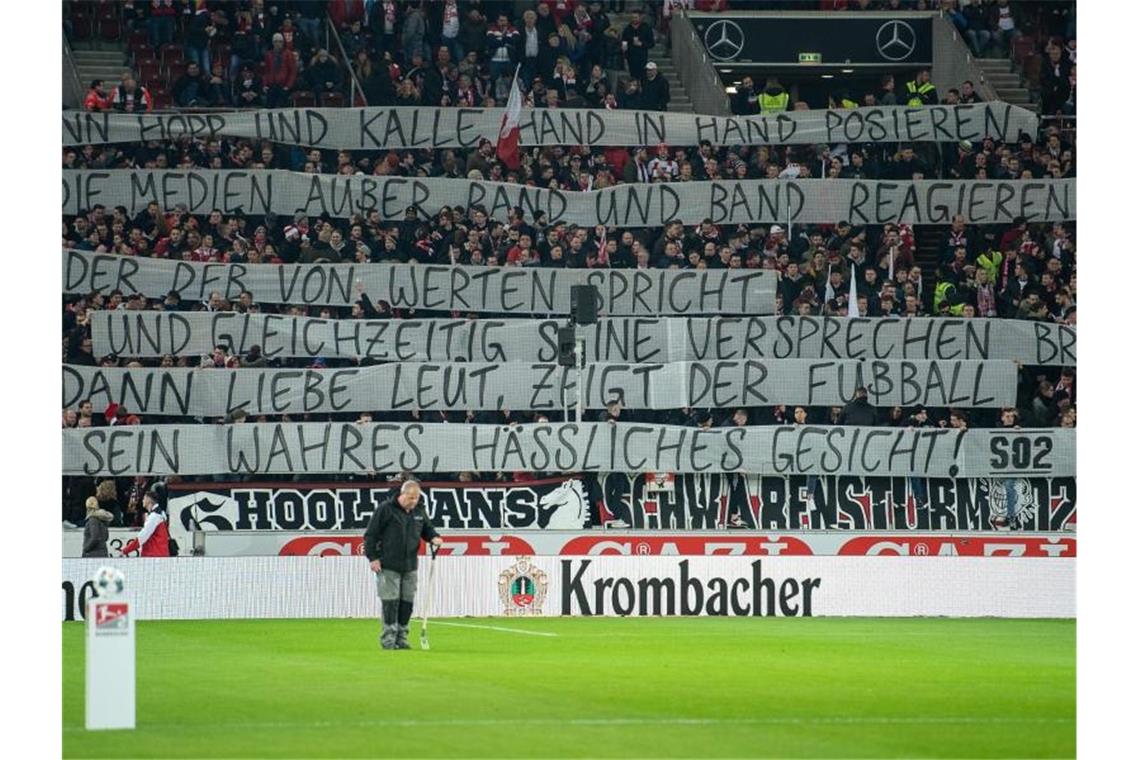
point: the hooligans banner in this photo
(261, 191)
(696, 502)
(518, 386)
(373, 128)
(298, 448)
(505, 290)
(153, 334)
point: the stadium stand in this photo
(265, 54)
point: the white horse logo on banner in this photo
(565, 506)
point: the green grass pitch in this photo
(598, 687)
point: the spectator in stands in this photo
(248, 89)
(309, 16)
(323, 74)
(449, 29)
(160, 23)
(413, 33)
(549, 53)
(531, 42)
(1055, 81)
(130, 97)
(245, 43)
(1003, 26)
(886, 96)
(295, 39)
(280, 73)
(473, 34)
(354, 39)
(502, 46)
(97, 98)
(859, 411)
(636, 42)
(967, 95)
(655, 90)
(217, 86)
(199, 32)
(374, 80)
(190, 89)
(744, 102)
(630, 98)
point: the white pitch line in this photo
(854, 720)
(493, 628)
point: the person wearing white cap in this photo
(636, 40)
(655, 90)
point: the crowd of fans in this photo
(270, 54)
(447, 54)
(260, 53)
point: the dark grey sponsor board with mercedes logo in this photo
(843, 40)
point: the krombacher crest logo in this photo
(522, 588)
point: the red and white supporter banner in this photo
(344, 587)
(554, 543)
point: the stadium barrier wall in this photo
(344, 587)
(554, 543)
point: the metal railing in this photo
(73, 89)
(697, 73)
(355, 89)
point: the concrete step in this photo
(102, 67)
(96, 55)
(111, 77)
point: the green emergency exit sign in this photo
(811, 58)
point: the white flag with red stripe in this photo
(508, 147)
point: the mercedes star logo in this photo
(896, 40)
(724, 39)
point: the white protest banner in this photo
(502, 290)
(403, 127)
(152, 334)
(488, 386)
(297, 448)
(259, 191)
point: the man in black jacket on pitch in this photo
(391, 544)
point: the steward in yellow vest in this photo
(920, 92)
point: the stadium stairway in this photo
(107, 64)
(679, 100)
(927, 239)
(1007, 82)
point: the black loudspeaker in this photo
(566, 346)
(583, 304)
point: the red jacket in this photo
(157, 541)
(96, 102)
(283, 74)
